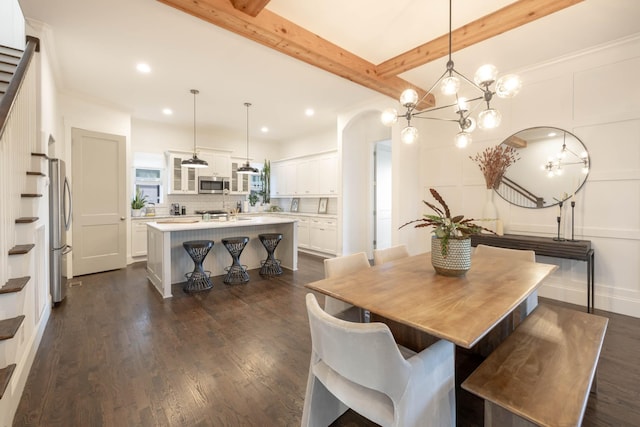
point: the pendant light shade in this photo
(246, 169)
(194, 162)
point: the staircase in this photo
(9, 58)
(24, 291)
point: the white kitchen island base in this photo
(168, 261)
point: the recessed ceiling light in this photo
(309, 112)
(167, 111)
(143, 68)
(264, 129)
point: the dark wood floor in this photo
(115, 354)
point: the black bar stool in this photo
(199, 279)
(270, 266)
(236, 272)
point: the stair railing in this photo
(9, 98)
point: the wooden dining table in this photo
(421, 306)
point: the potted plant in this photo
(265, 179)
(253, 199)
(451, 243)
(137, 203)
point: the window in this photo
(149, 182)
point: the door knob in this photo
(122, 218)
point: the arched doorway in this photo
(359, 138)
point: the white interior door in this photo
(383, 195)
(99, 201)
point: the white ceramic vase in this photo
(489, 210)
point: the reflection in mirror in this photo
(553, 165)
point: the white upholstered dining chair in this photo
(359, 366)
(523, 255)
(380, 256)
(341, 266)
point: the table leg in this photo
(591, 295)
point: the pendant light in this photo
(246, 169)
(450, 83)
(194, 162)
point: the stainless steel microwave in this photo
(212, 184)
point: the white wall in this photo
(156, 137)
(12, 29)
(310, 144)
(596, 96)
(357, 130)
(358, 137)
(51, 128)
(89, 115)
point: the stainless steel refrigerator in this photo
(59, 223)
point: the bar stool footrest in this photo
(236, 274)
(197, 281)
(270, 267)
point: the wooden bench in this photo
(542, 373)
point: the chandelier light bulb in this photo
(450, 85)
(485, 75)
(585, 170)
(409, 98)
(463, 105)
(389, 117)
(508, 86)
(489, 119)
(409, 135)
(463, 139)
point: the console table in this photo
(579, 250)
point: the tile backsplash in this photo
(194, 202)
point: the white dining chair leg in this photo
(321, 407)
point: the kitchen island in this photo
(168, 262)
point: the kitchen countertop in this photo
(243, 214)
(185, 223)
(154, 217)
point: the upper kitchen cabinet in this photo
(240, 184)
(310, 176)
(283, 178)
(328, 167)
(219, 163)
(182, 180)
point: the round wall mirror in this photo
(553, 164)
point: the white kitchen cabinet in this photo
(219, 164)
(182, 180)
(327, 168)
(283, 179)
(290, 178)
(240, 184)
(139, 237)
(306, 177)
(323, 235)
(309, 176)
(276, 169)
(303, 232)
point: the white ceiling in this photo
(97, 44)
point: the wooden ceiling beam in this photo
(509, 17)
(275, 32)
(250, 7)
